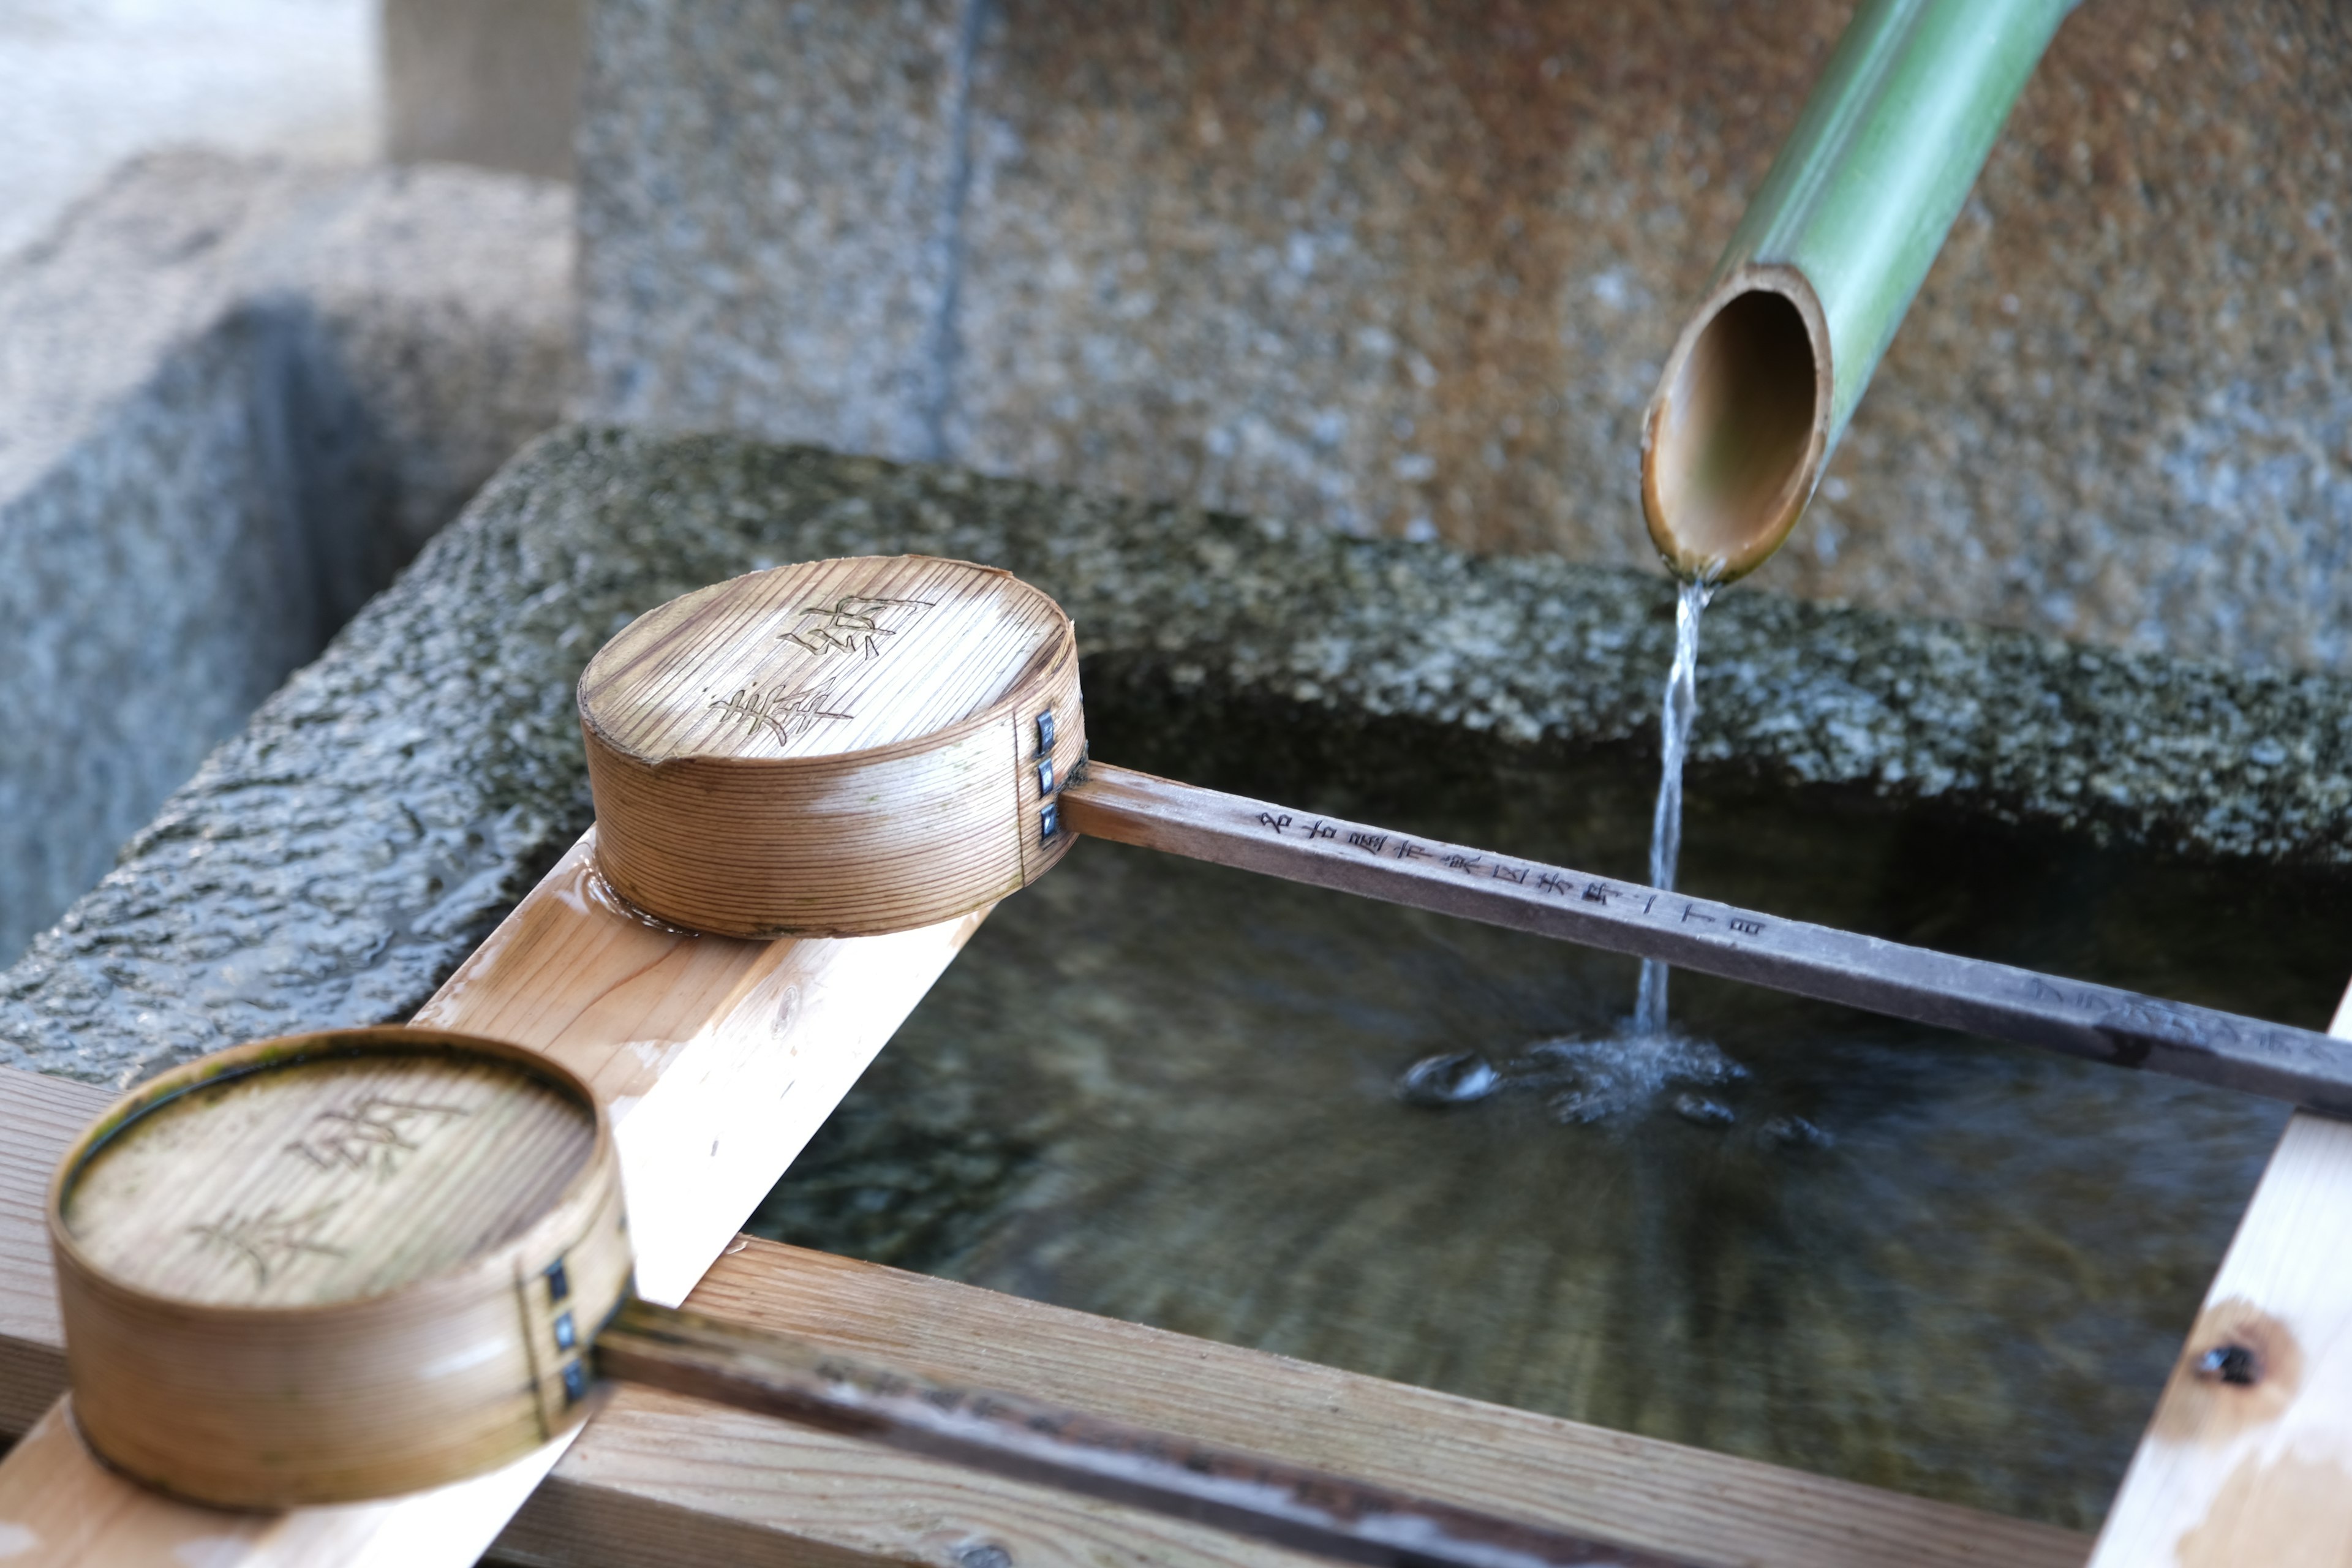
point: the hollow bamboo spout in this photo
(1766, 375)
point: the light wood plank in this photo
(722, 1058)
(58, 1506)
(1256, 1495)
(719, 1059)
(2252, 1463)
(664, 1482)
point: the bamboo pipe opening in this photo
(1738, 429)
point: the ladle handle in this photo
(2098, 1021)
(1022, 1439)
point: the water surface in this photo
(1165, 1092)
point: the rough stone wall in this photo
(774, 244)
(133, 647)
(334, 861)
(235, 398)
(1411, 267)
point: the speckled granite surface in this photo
(774, 247)
(381, 812)
(1412, 268)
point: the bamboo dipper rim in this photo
(1714, 361)
(995, 711)
(288, 1051)
(305, 1284)
(979, 719)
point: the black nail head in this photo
(2233, 1364)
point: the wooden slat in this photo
(59, 1506)
(720, 1058)
(664, 1482)
(837, 1496)
(1258, 1497)
(2260, 1471)
(1943, 990)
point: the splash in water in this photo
(1675, 718)
(1594, 1080)
(1580, 1080)
(1603, 1080)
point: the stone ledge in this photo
(379, 814)
(236, 396)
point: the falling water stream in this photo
(1622, 1072)
(1680, 706)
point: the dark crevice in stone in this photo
(947, 335)
(332, 458)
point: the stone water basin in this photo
(1163, 1090)
(1167, 1092)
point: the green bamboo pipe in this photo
(1816, 279)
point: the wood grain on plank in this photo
(59, 1506)
(1256, 1497)
(2249, 1459)
(719, 1059)
(39, 1118)
(729, 1056)
(840, 747)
